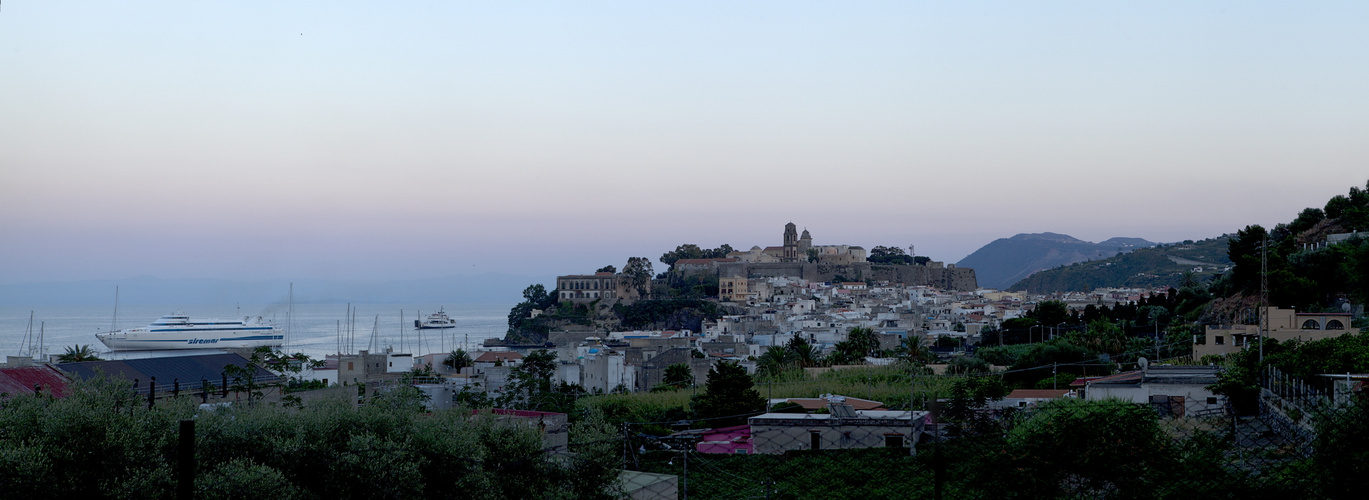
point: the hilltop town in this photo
(774, 366)
(613, 332)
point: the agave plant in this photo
(78, 353)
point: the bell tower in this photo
(791, 243)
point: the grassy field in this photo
(887, 384)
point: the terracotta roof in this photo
(20, 380)
(491, 356)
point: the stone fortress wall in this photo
(948, 278)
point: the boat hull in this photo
(211, 339)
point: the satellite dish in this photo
(1143, 363)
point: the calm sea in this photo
(316, 330)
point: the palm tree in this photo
(78, 353)
(775, 361)
(457, 360)
(805, 354)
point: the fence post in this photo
(912, 425)
(938, 468)
(185, 461)
(938, 479)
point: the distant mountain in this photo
(1006, 261)
(1158, 266)
(149, 290)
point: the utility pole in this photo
(686, 471)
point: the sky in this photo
(401, 140)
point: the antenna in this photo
(1264, 292)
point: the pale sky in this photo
(370, 140)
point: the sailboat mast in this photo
(374, 325)
(289, 318)
(26, 349)
(114, 325)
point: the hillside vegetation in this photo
(1155, 267)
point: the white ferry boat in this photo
(178, 331)
(438, 319)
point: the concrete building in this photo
(1284, 325)
(733, 289)
(1175, 390)
(843, 428)
(605, 370)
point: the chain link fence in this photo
(1300, 443)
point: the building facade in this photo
(586, 288)
(1284, 325)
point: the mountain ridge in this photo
(1006, 261)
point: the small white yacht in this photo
(438, 319)
(178, 331)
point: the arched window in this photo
(1335, 325)
(1311, 324)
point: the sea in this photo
(313, 329)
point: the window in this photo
(893, 440)
(814, 440)
(1219, 340)
(739, 451)
(1335, 325)
(1212, 400)
(1311, 324)
(349, 366)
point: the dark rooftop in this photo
(188, 370)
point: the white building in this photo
(1177, 390)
